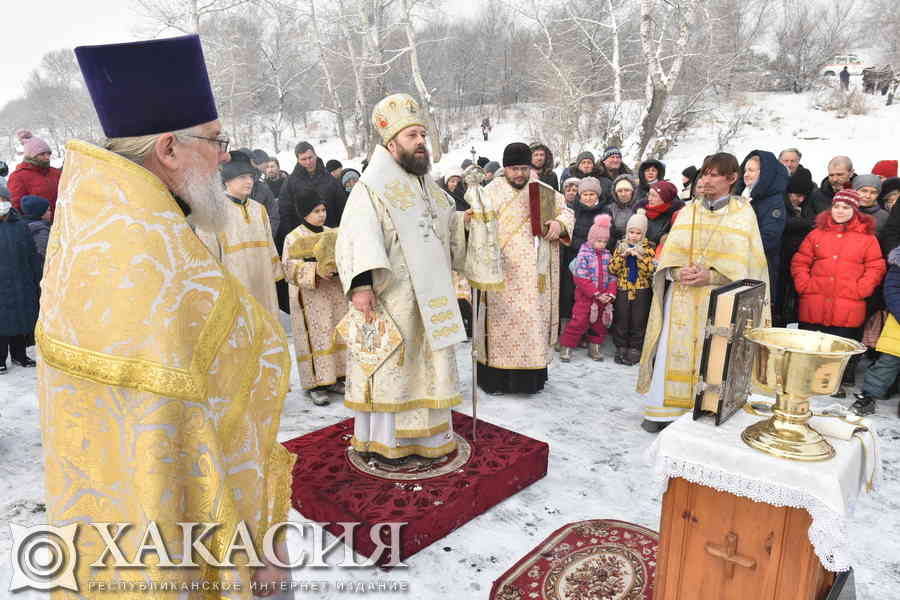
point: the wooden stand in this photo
(715, 545)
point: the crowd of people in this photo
(827, 247)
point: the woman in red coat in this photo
(837, 267)
(34, 176)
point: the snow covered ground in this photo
(588, 413)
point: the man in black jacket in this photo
(309, 172)
(840, 176)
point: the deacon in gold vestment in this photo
(521, 321)
(726, 247)
(161, 379)
(400, 235)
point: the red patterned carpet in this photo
(331, 485)
(588, 560)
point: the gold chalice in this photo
(792, 365)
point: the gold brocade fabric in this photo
(522, 318)
(161, 382)
(317, 306)
(415, 380)
(247, 250)
(726, 241)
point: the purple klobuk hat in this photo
(148, 87)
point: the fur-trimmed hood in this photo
(858, 223)
(894, 257)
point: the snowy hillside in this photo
(588, 413)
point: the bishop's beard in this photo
(416, 164)
(206, 198)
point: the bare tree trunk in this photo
(424, 95)
(329, 84)
(659, 83)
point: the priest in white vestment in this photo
(399, 239)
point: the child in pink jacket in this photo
(595, 292)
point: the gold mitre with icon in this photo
(395, 113)
(320, 246)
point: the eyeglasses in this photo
(222, 142)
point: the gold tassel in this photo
(542, 283)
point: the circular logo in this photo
(43, 557)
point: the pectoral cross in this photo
(729, 554)
(425, 227)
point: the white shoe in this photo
(337, 387)
(319, 397)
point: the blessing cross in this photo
(729, 554)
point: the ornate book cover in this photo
(727, 360)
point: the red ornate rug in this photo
(588, 560)
(332, 485)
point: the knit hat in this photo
(690, 172)
(611, 151)
(637, 221)
(847, 196)
(885, 168)
(237, 167)
(348, 176)
(491, 167)
(582, 156)
(590, 184)
(34, 207)
(260, 156)
(571, 181)
(890, 185)
(482, 161)
(308, 199)
(466, 164)
(34, 145)
(800, 182)
(600, 229)
(333, 164)
(665, 189)
(861, 181)
(624, 178)
(516, 154)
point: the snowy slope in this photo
(588, 413)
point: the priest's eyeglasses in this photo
(222, 142)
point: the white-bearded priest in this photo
(161, 379)
(400, 236)
(521, 321)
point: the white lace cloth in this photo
(717, 457)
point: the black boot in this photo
(24, 362)
(654, 426)
(864, 405)
(619, 358)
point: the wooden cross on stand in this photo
(729, 554)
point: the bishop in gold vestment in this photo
(727, 244)
(400, 236)
(161, 379)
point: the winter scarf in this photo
(654, 212)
